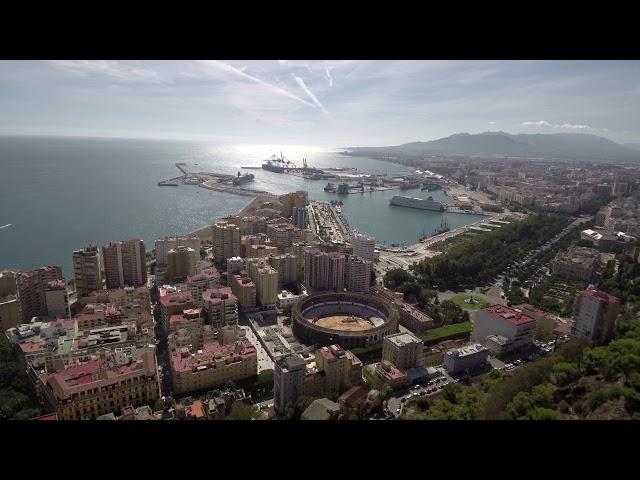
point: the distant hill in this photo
(633, 146)
(577, 146)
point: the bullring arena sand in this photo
(348, 323)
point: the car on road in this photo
(398, 410)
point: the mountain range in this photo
(576, 146)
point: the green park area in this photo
(462, 300)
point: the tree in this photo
(240, 411)
(396, 277)
(565, 373)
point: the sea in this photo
(58, 194)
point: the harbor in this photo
(214, 181)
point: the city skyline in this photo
(324, 103)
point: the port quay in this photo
(349, 181)
(326, 219)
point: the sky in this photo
(327, 103)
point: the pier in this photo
(211, 181)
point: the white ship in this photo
(421, 203)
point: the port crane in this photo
(282, 161)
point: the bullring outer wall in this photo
(310, 333)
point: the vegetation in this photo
(446, 332)
(240, 411)
(295, 412)
(434, 335)
(478, 260)
(576, 382)
(17, 400)
(555, 295)
(480, 299)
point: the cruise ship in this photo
(421, 203)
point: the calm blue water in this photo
(60, 194)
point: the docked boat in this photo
(420, 203)
(242, 179)
(429, 187)
(330, 187)
(278, 164)
(409, 185)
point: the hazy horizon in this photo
(325, 103)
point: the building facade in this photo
(404, 350)
(32, 290)
(225, 236)
(125, 264)
(232, 358)
(358, 274)
(595, 314)
(363, 246)
(465, 358)
(503, 329)
(86, 270)
(88, 390)
(221, 306)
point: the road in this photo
(518, 265)
(395, 401)
(264, 360)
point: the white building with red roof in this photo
(502, 329)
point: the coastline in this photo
(205, 232)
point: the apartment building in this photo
(221, 306)
(245, 290)
(333, 371)
(324, 270)
(32, 290)
(57, 299)
(121, 378)
(404, 350)
(125, 263)
(225, 236)
(503, 329)
(86, 270)
(363, 246)
(232, 358)
(358, 274)
(265, 278)
(595, 314)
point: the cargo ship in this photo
(278, 164)
(420, 203)
(242, 179)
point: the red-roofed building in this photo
(221, 306)
(595, 313)
(503, 329)
(386, 373)
(244, 289)
(198, 283)
(174, 302)
(545, 322)
(97, 387)
(233, 358)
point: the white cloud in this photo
(303, 86)
(572, 126)
(329, 77)
(492, 123)
(111, 69)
